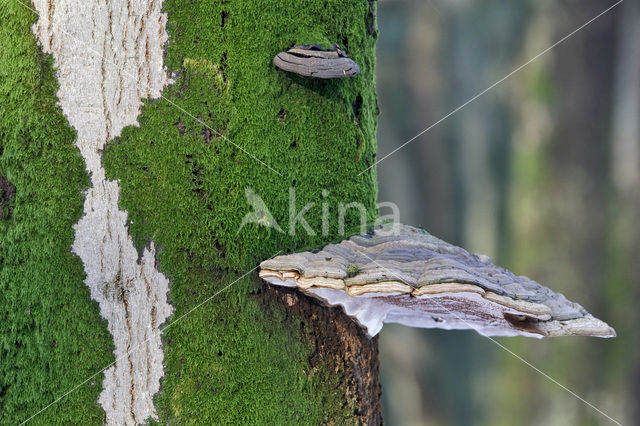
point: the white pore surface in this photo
(108, 55)
(450, 311)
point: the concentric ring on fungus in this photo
(314, 61)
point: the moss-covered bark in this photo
(51, 335)
(245, 355)
(251, 353)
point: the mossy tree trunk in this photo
(233, 349)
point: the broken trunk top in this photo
(313, 61)
(403, 274)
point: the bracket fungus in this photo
(314, 61)
(405, 275)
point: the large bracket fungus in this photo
(405, 275)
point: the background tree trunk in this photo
(523, 174)
(164, 184)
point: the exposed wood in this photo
(342, 348)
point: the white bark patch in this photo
(108, 56)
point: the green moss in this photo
(51, 336)
(234, 360)
(352, 270)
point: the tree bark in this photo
(178, 112)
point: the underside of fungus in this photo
(405, 275)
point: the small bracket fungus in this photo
(313, 61)
(405, 275)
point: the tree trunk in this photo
(169, 304)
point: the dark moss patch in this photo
(51, 335)
(240, 358)
(223, 18)
(7, 194)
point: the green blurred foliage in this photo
(524, 173)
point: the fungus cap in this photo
(313, 61)
(405, 275)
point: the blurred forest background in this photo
(542, 173)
